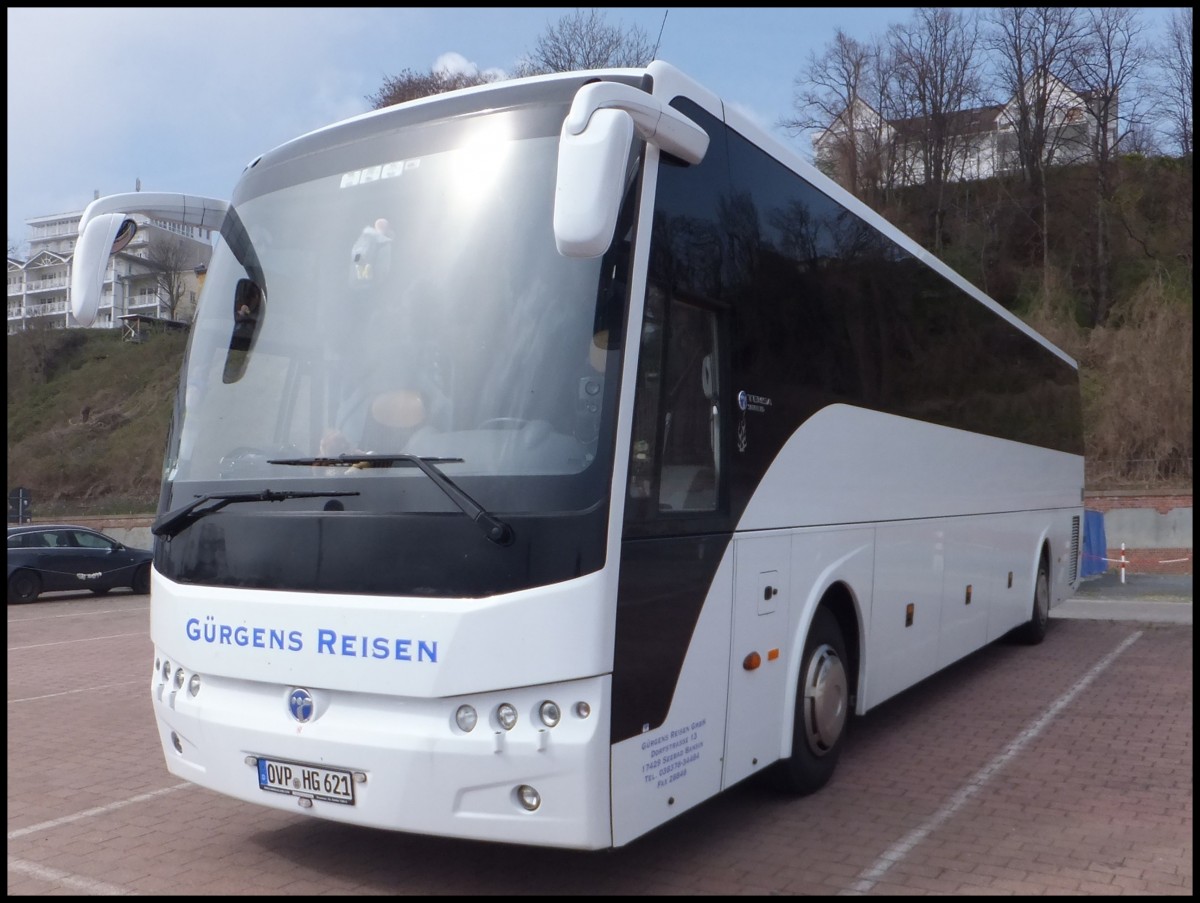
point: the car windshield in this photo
(405, 298)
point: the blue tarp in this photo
(1095, 545)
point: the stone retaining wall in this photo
(1156, 529)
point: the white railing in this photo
(40, 285)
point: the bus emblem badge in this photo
(300, 704)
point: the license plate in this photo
(330, 784)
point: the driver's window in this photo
(688, 479)
(91, 541)
(675, 452)
(248, 309)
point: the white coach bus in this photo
(550, 456)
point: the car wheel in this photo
(141, 580)
(24, 586)
(822, 709)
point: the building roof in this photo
(961, 122)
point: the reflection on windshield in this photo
(412, 306)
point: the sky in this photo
(182, 99)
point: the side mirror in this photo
(591, 174)
(593, 150)
(102, 237)
(106, 228)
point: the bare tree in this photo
(583, 40)
(171, 260)
(936, 69)
(1175, 59)
(833, 96)
(1142, 138)
(410, 85)
(1033, 46)
(1106, 67)
(35, 350)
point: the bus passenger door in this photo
(757, 665)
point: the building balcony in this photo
(46, 285)
(45, 310)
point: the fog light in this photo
(194, 684)
(179, 679)
(166, 670)
(176, 742)
(582, 709)
(506, 714)
(466, 718)
(529, 798)
(550, 713)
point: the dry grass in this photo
(1137, 384)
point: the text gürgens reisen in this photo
(323, 640)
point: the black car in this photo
(44, 558)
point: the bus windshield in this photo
(402, 296)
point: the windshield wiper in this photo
(493, 528)
(175, 522)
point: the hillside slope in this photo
(88, 416)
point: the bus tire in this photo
(1033, 631)
(822, 709)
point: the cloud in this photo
(454, 64)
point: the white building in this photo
(887, 152)
(39, 287)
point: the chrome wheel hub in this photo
(826, 699)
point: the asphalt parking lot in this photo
(1064, 768)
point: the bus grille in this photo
(1074, 549)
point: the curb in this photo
(1161, 611)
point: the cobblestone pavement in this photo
(1064, 768)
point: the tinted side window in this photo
(832, 310)
(91, 541)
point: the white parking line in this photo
(65, 880)
(87, 639)
(99, 810)
(122, 683)
(896, 853)
(79, 614)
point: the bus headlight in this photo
(506, 714)
(466, 718)
(550, 713)
(528, 797)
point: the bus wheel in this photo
(1034, 631)
(822, 709)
